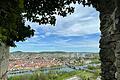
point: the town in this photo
(22, 60)
(29, 62)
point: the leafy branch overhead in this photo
(12, 24)
(13, 14)
(42, 11)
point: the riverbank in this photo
(38, 75)
(58, 69)
(74, 78)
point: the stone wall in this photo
(110, 40)
(4, 60)
(107, 41)
(117, 37)
(107, 45)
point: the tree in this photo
(13, 14)
(12, 24)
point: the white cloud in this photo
(84, 21)
(77, 44)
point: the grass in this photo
(85, 75)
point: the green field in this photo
(85, 75)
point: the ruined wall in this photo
(107, 41)
(110, 40)
(117, 37)
(107, 45)
(4, 58)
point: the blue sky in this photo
(76, 32)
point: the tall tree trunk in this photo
(4, 61)
(107, 41)
(107, 45)
(117, 37)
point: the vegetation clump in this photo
(85, 75)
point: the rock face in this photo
(110, 39)
(107, 45)
(107, 41)
(117, 37)
(4, 60)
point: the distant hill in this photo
(26, 55)
(50, 52)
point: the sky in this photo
(78, 32)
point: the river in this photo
(64, 68)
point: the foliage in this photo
(57, 76)
(93, 67)
(14, 12)
(42, 11)
(95, 61)
(12, 24)
(86, 75)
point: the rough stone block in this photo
(4, 60)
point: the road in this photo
(74, 78)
